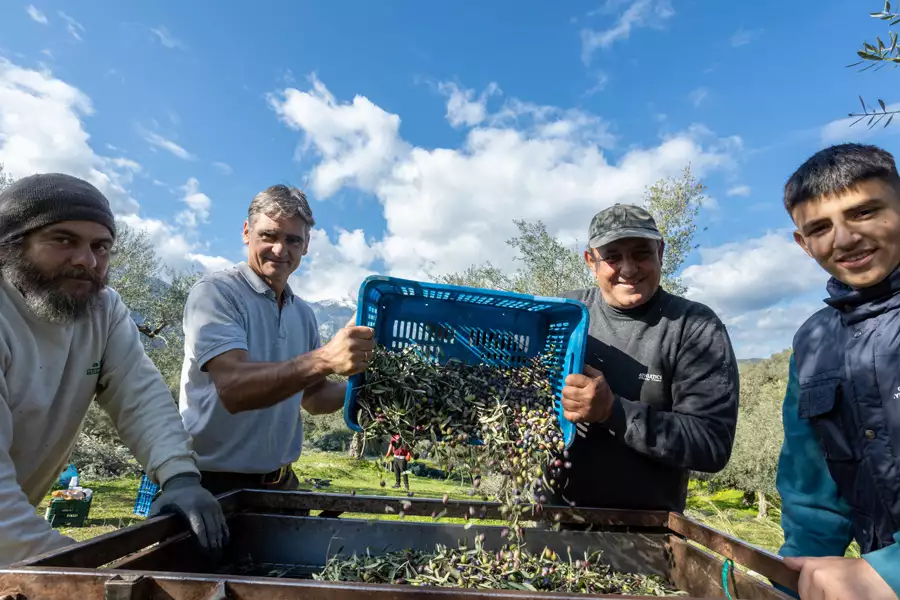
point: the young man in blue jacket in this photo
(839, 471)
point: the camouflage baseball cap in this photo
(621, 221)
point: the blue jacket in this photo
(839, 469)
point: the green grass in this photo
(114, 500)
(727, 512)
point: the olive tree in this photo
(759, 435)
(156, 296)
(674, 203)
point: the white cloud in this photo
(176, 245)
(742, 37)
(210, 263)
(844, 130)
(739, 190)
(36, 15)
(462, 110)
(41, 131)
(447, 208)
(223, 168)
(761, 333)
(358, 142)
(698, 96)
(167, 39)
(166, 144)
(753, 274)
(198, 205)
(72, 26)
(640, 13)
(600, 80)
(333, 271)
(762, 289)
(709, 203)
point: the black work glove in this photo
(184, 495)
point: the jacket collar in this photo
(859, 305)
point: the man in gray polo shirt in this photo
(253, 356)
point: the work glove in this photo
(183, 494)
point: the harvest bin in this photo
(474, 326)
(68, 513)
(280, 538)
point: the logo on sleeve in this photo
(95, 369)
(650, 377)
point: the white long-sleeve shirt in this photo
(49, 374)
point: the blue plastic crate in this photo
(145, 495)
(472, 325)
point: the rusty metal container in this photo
(280, 538)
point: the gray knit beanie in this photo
(40, 200)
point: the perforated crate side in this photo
(471, 325)
(144, 499)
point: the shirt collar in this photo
(260, 286)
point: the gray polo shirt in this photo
(235, 309)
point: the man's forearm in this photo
(254, 385)
(324, 398)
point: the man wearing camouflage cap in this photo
(659, 396)
(65, 340)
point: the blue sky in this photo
(420, 131)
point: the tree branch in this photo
(152, 333)
(875, 117)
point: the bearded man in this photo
(67, 339)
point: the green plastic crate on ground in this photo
(68, 513)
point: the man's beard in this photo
(43, 293)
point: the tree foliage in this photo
(878, 55)
(759, 436)
(674, 203)
(157, 306)
(5, 178)
(546, 267)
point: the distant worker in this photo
(253, 358)
(659, 397)
(401, 461)
(839, 470)
(67, 339)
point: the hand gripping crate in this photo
(472, 325)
